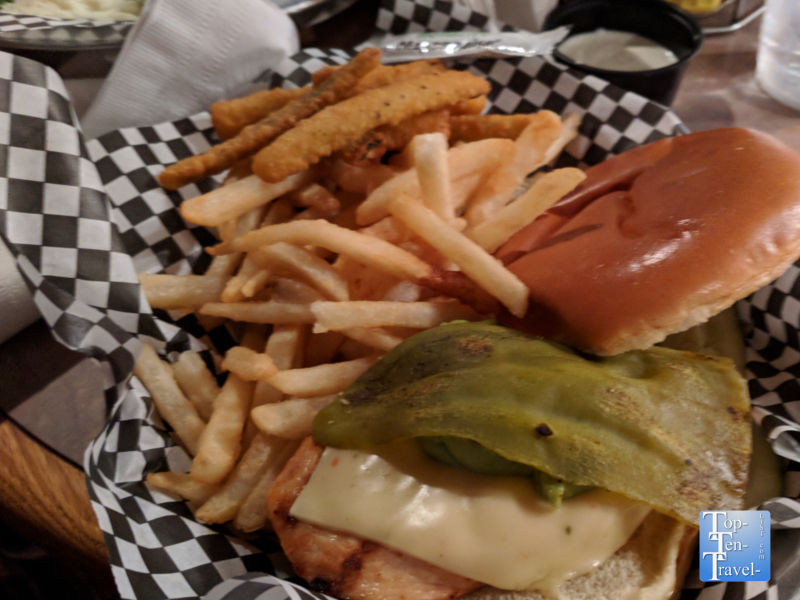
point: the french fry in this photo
(290, 419)
(285, 348)
(470, 128)
(362, 180)
(433, 172)
(260, 312)
(172, 405)
(221, 441)
(364, 283)
(569, 131)
(365, 249)
(230, 201)
(473, 106)
(252, 514)
(321, 380)
(308, 267)
(317, 196)
(196, 381)
(280, 211)
(545, 192)
(531, 152)
(183, 485)
(257, 282)
(181, 292)
(224, 504)
(374, 337)
(474, 261)
(405, 291)
(321, 348)
(339, 316)
(291, 291)
(248, 364)
(468, 161)
(223, 156)
(244, 224)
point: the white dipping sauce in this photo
(616, 51)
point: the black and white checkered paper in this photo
(82, 218)
(43, 33)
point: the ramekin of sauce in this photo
(639, 45)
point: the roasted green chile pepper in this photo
(667, 428)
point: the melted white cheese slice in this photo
(495, 530)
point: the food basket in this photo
(82, 218)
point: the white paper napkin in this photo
(183, 55)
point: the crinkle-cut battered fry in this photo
(223, 156)
(471, 128)
(473, 106)
(229, 117)
(335, 127)
(396, 137)
(384, 75)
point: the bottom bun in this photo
(650, 566)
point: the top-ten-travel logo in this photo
(734, 545)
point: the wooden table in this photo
(45, 497)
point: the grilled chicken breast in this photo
(346, 566)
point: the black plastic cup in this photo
(657, 20)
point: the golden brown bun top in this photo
(659, 239)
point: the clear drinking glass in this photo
(778, 63)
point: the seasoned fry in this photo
(253, 512)
(339, 125)
(306, 266)
(378, 142)
(322, 379)
(230, 201)
(172, 405)
(221, 442)
(363, 248)
(531, 151)
(183, 485)
(290, 419)
(433, 172)
(229, 117)
(473, 260)
(383, 75)
(474, 106)
(181, 292)
(223, 156)
(248, 364)
(340, 316)
(223, 505)
(470, 128)
(545, 192)
(468, 162)
(196, 381)
(260, 312)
